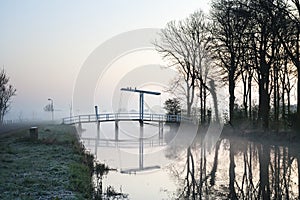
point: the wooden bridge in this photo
(108, 117)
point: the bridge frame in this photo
(141, 105)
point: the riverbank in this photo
(52, 167)
(282, 137)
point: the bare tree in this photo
(229, 26)
(174, 47)
(289, 36)
(197, 24)
(183, 45)
(7, 91)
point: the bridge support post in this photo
(160, 130)
(98, 138)
(141, 123)
(80, 126)
(141, 148)
(98, 130)
(117, 130)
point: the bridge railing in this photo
(124, 116)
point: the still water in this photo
(155, 164)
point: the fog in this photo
(43, 44)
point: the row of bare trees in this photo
(256, 41)
(253, 44)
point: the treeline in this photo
(253, 45)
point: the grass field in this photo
(52, 167)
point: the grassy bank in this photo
(52, 167)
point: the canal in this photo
(191, 166)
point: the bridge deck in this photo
(124, 117)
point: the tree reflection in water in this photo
(236, 168)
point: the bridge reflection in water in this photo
(131, 143)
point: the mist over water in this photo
(255, 168)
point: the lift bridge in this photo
(140, 117)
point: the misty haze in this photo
(194, 99)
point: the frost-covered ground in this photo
(50, 168)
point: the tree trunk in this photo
(264, 159)
(298, 165)
(289, 105)
(277, 172)
(204, 104)
(264, 100)
(201, 104)
(283, 97)
(232, 193)
(260, 109)
(215, 100)
(275, 83)
(215, 165)
(245, 96)
(297, 62)
(188, 104)
(201, 171)
(298, 98)
(231, 98)
(250, 97)
(188, 171)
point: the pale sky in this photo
(43, 44)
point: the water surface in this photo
(162, 168)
